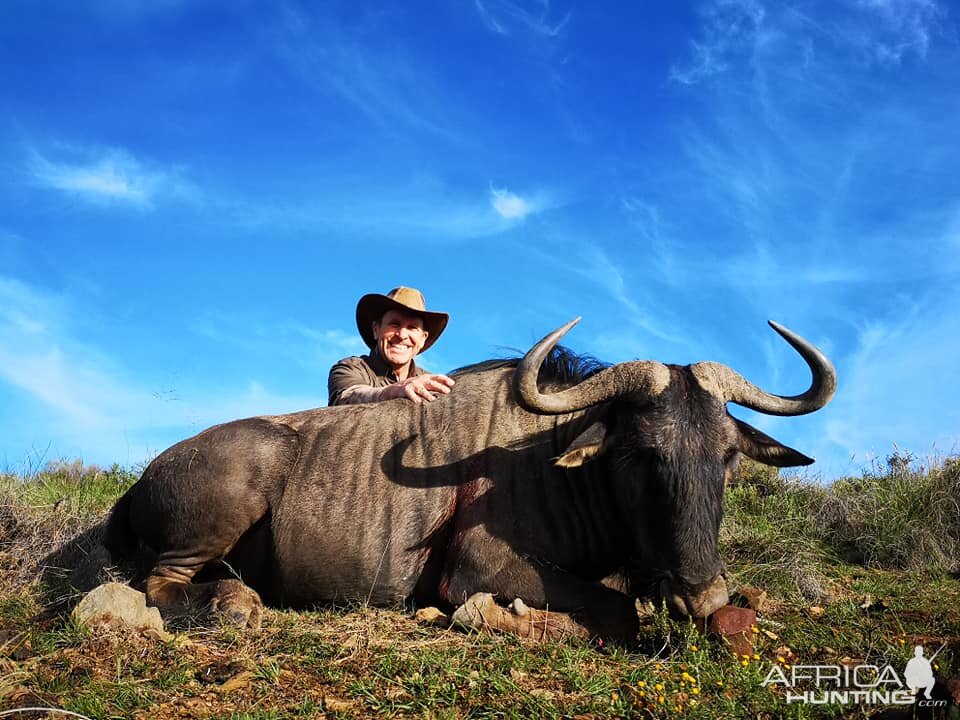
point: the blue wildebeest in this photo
(542, 480)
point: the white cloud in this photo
(508, 205)
(104, 175)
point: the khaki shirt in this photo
(368, 370)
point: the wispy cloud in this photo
(897, 385)
(315, 349)
(87, 403)
(611, 276)
(427, 207)
(104, 175)
(505, 17)
(729, 30)
(904, 27)
(741, 33)
(390, 87)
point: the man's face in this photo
(399, 337)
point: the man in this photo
(396, 327)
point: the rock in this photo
(730, 620)
(432, 616)
(120, 607)
(734, 624)
(755, 598)
(334, 704)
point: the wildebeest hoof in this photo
(237, 604)
(519, 608)
(477, 611)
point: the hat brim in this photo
(372, 307)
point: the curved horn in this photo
(607, 384)
(730, 386)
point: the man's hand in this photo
(419, 388)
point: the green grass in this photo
(859, 571)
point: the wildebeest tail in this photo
(119, 537)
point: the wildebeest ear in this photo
(587, 445)
(763, 448)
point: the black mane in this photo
(562, 366)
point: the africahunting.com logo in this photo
(864, 684)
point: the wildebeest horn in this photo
(607, 384)
(730, 386)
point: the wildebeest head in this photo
(671, 446)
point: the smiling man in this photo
(396, 327)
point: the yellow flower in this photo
(756, 657)
(719, 683)
(754, 629)
(660, 699)
(614, 696)
(658, 687)
(901, 641)
(688, 678)
(744, 662)
(693, 648)
(641, 683)
(695, 691)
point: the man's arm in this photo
(418, 389)
(350, 382)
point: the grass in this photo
(860, 571)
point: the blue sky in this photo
(193, 196)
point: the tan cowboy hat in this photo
(408, 300)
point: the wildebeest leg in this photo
(583, 610)
(201, 499)
(169, 588)
(481, 612)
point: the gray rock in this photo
(121, 607)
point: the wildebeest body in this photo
(358, 498)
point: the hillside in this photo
(856, 573)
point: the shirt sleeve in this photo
(345, 375)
